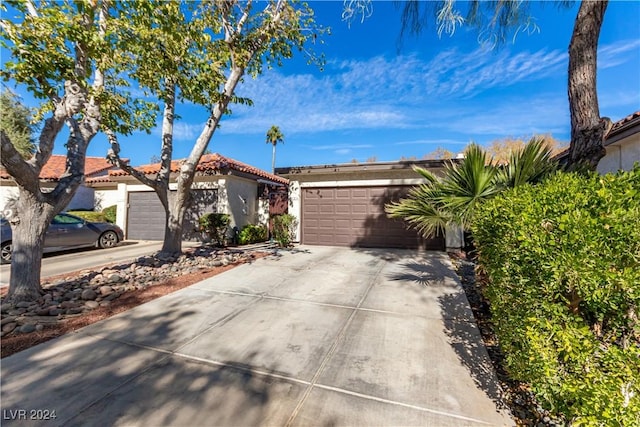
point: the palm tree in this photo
(274, 136)
(432, 206)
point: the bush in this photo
(284, 228)
(563, 267)
(89, 215)
(215, 225)
(110, 214)
(252, 234)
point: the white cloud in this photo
(408, 92)
(615, 54)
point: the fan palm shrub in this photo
(452, 200)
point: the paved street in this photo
(315, 336)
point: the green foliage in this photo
(453, 199)
(43, 57)
(110, 213)
(15, 122)
(253, 234)
(284, 227)
(563, 266)
(215, 225)
(274, 136)
(89, 215)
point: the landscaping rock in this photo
(105, 290)
(91, 289)
(8, 327)
(27, 328)
(89, 294)
(91, 304)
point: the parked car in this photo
(67, 232)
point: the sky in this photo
(379, 98)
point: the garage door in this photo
(355, 217)
(146, 216)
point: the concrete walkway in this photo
(316, 336)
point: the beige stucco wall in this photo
(106, 198)
(7, 192)
(83, 199)
(621, 155)
(241, 201)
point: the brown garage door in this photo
(355, 217)
(146, 216)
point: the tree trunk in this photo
(172, 243)
(273, 159)
(588, 130)
(29, 223)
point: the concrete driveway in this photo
(316, 336)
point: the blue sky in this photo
(373, 100)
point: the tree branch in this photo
(22, 172)
(113, 156)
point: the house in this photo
(51, 173)
(221, 185)
(622, 145)
(343, 205)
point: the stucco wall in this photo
(242, 201)
(621, 155)
(83, 199)
(105, 198)
(7, 192)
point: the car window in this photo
(66, 219)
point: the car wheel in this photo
(108, 239)
(6, 253)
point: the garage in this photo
(146, 215)
(355, 217)
(343, 204)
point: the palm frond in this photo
(466, 184)
(421, 210)
(530, 165)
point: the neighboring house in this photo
(50, 175)
(343, 205)
(622, 144)
(221, 185)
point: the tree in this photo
(15, 122)
(199, 52)
(63, 53)
(500, 150)
(439, 154)
(496, 21)
(274, 136)
(452, 200)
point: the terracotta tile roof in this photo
(629, 121)
(624, 122)
(209, 163)
(55, 167)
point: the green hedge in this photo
(563, 266)
(89, 215)
(253, 234)
(110, 213)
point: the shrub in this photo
(215, 225)
(252, 234)
(89, 215)
(284, 227)
(563, 268)
(110, 213)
